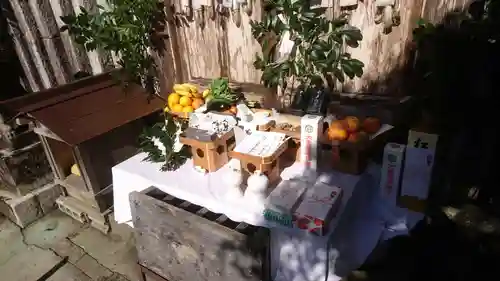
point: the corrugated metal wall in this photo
(49, 57)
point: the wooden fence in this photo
(209, 47)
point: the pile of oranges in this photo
(186, 98)
(353, 129)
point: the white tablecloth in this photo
(295, 256)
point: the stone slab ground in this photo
(61, 249)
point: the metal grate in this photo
(202, 212)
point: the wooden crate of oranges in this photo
(351, 142)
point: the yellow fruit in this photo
(181, 88)
(185, 101)
(173, 98)
(188, 109)
(197, 103)
(208, 98)
(177, 108)
(205, 93)
(166, 109)
(192, 88)
(75, 170)
(184, 93)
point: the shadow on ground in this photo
(454, 80)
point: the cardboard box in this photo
(319, 206)
(283, 200)
(391, 172)
(310, 131)
(417, 174)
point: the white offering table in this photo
(295, 255)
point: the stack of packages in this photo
(405, 180)
(294, 203)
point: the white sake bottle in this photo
(233, 180)
(256, 192)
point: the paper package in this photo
(319, 206)
(283, 200)
(391, 172)
(418, 165)
(310, 130)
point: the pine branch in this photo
(166, 134)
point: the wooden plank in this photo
(56, 169)
(179, 245)
(85, 166)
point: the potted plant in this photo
(317, 58)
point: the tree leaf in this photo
(352, 43)
(348, 70)
(352, 34)
(319, 10)
(339, 75)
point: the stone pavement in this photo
(58, 248)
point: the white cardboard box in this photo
(418, 165)
(391, 172)
(310, 130)
(319, 206)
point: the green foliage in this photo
(220, 90)
(319, 49)
(222, 95)
(167, 135)
(124, 28)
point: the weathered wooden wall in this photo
(50, 57)
(220, 48)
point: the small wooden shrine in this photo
(210, 151)
(93, 123)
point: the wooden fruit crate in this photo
(181, 241)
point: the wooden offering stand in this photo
(292, 153)
(209, 150)
(271, 166)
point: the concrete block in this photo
(26, 209)
(23, 210)
(47, 196)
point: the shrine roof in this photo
(84, 109)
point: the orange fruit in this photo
(177, 108)
(233, 109)
(188, 109)
(352, 123)
(197, 102)
(371, 125)
(173, 98)
(357, 136)
(335, 133)
(185, 101)
(339, 124)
